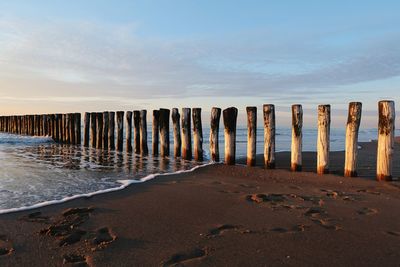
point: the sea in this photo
(35, 171)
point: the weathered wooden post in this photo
(324, 121)
(111, 130)
(214, 133)
(353, 125)
(72, 128)
(86, 123)
(197, 134)
(67, 125)
(230, 118)
(58, 127)
(93, 132)
(155, 132)
(45, 125)
(386, 128)
(144, 150)
(251, 135)
(120, 130)
(106, 125)
(128, 131)
(186, 134)
(99, 130)
(78, 125)
(297, 138)
(177, 132)
(164, 132)
(62, 127)
(269, 136)
(136, 126)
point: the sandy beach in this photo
(220, 216)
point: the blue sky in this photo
(60, 56)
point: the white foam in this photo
(124, 184)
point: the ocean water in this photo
(35, 171)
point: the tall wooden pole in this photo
(197, 134)
(297, 138)
(186, 135)
(99, 130)
(155, 132)
(120, 130)
(136, 126)
(86, 130)
(128, 118)
(386, 128)
(230, 118)
(214, 133)
(177, 132)
(144, 150)
(324, 121)
(251, 135)
(164, 132)
(269, 136)
(106, 129)
(93, 132)
(111, 130)
(353, 125)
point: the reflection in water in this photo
(44, 171)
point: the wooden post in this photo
(93, 132)
(186, 135)
(56, 130)
(78, 128)
(86, 123)
(214, 133)
(99, 130)
(129, 131)
(197, 134)
(155, 132)
(136, 126)
(324, 121)
(164, 132)
(111, 130)
(269, 136)
(297, 138)
(106, 126)
(353, 124)
(230, 118)
(67, 125)
(386, 127)
(251, 135)
(62, 127)
(120, 130)
(144, 150)
(72, 128)
(177, 132)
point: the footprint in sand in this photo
(6, 247)
(185, 257)
(75, 260)
(219, 230)
(35, 217)
(103, 237)
(367, 211)
(393, 233)
(295, 229)
(259, 198)
(315, 214)
(74, 237)
(326, 224)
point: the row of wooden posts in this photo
(99, 132)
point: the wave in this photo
(124, 184)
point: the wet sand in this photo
(220, 216)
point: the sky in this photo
(94, 55)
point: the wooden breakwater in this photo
(105, 130)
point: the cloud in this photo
(101, 60)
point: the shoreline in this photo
(240, 161)
(216, 215)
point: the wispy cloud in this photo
(112, 61)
